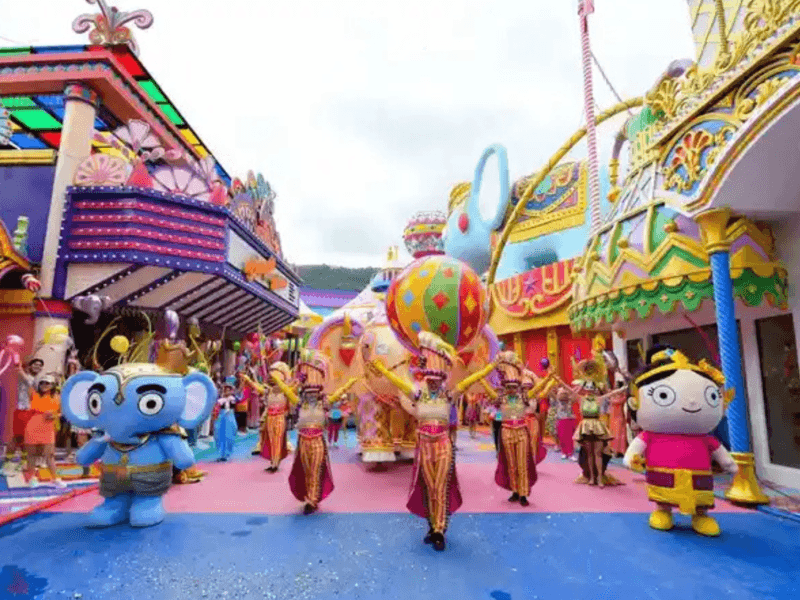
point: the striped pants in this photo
(276, 428)
(312, 456)
(436, 456)
(516, 447)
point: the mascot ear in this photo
(200, 398)
(74, 399)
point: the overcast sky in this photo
(362, 112)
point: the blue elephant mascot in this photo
(139, 407)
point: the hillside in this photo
(324, 277)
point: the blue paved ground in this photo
(490, 557)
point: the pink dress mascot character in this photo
(677, 404)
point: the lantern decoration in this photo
(423, 234)
(439, 294)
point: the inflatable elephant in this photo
(139, 407)
(553, 226)
(383, 427)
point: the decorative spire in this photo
(109, 25)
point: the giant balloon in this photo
(439, 294)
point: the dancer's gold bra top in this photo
(512, 408)
(433, 409)
(275, 399)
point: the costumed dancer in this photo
(225, 424)
(531, 388)
(678, 403)
(516, 466)
(435, 494)
(564, 420)
(617, 419)
(592, 432)
(474, 403)
(273, 444)
(311, 480)
(142, 408)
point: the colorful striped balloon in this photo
(439, 294)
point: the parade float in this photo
(361, 332)
(120, 209)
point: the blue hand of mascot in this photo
(138, 407)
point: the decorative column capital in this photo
(713, 229)
(81, 93)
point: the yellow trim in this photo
(27, 157)
(503, 324)
(554, 218)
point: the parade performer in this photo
(311, 480)
(532, 419)
(272, 440)
(474, 403)
(141, 407)
(435, 494)
(678, 403)
(516, 466)
(225, 424)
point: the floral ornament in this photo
(179, 179)
(109, 25)
(101, 170)
(5, 126)
(218, 193)
(138, 136)
(688, 156)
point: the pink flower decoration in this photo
(180, 180)
(101, 170)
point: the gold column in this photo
(552, 348)
(518, 346)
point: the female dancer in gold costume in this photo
(272, 435)
(311, 480)
(516, 465)
(435, 494)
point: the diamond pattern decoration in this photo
(444, 328)
(441, 300)
(470, 304)
(408, 297)
(448, 272)
(468, 331)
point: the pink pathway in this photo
(244, 487)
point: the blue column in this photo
(730, 353)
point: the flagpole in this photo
(585, 8)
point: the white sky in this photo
(362, 112)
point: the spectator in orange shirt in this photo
(40, 432)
